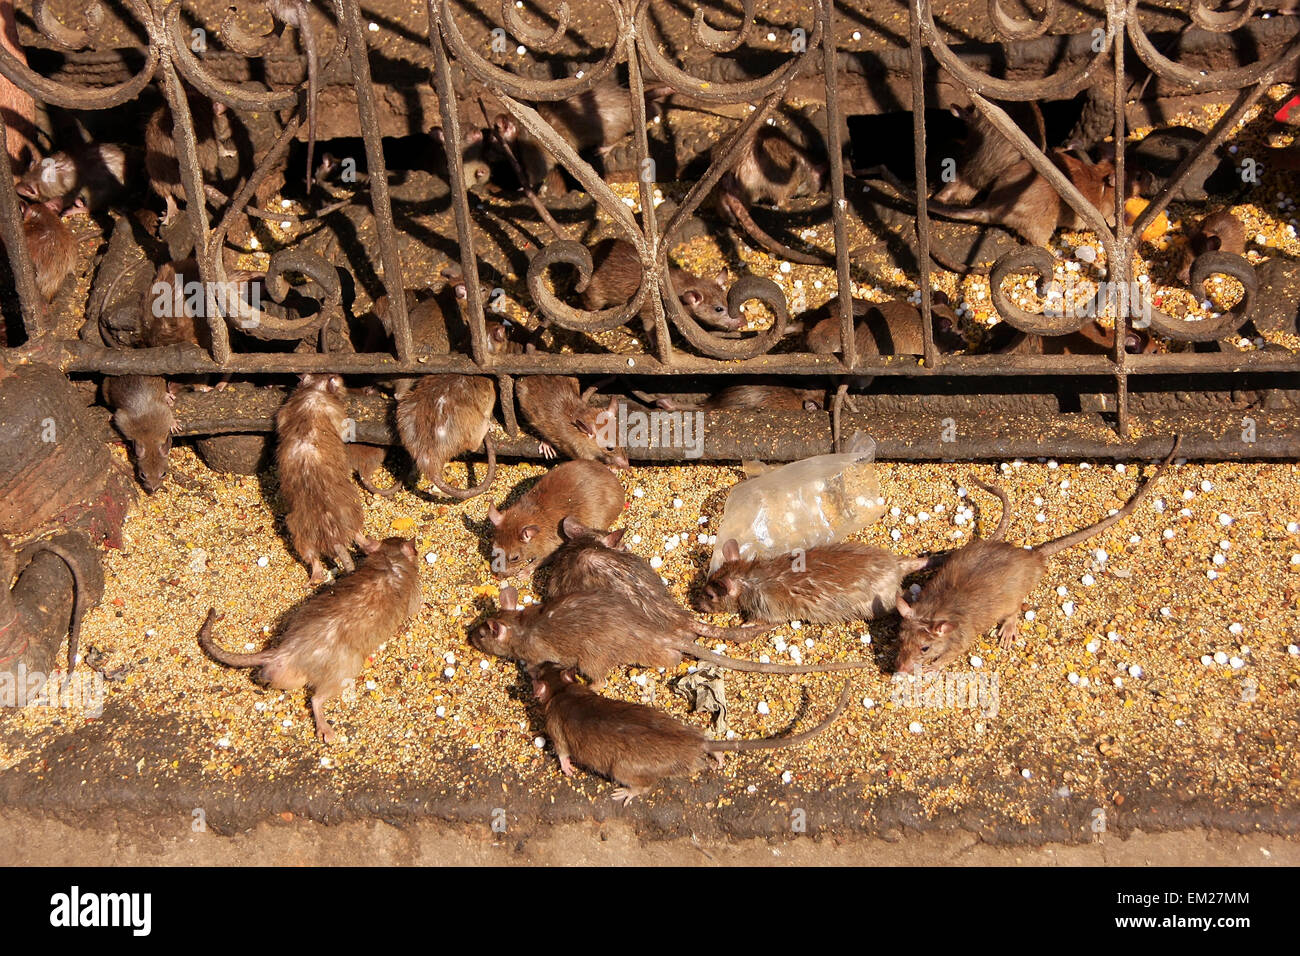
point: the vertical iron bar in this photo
(453, 143)
(349, 16)
(839, 206)
(917, 67)
(1125, 244)
(34, 309)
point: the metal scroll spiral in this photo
(276, 323)
(642, 41)
(70, 37)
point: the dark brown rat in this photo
(212, 137)
(1026, 203)
(324, 510)
(51, 245)
(529, 531)
(142, 412)
(826, 584)
(982, 584)
(634, 745)
(325, 642)
(298, 14)
(598, 630)
(1090, 339)
(883, 328)
(567, 423)
(1218, 231)
(986, 153)
(591, 559)
(473, 164)
(774, 397)
(444, 416)
(95, 173)
(617, 276)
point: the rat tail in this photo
(220, 654)
(739, 664)
(1005, 519)
(742, 634)
(737, 208)
(1049, 548)
(464, 494)
(768, 743)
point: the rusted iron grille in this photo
(172, 65)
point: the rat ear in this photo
(494, 516)
(723, 276)
(408, 548)
(731, 550)
(370, 546)
(691, 298)
(943, 628)
(585, 427)
(528, 531)
(572, 528)
(904, 609)
(509, 598)
(472, 137)
(1213, 242)
(569, 675)
(505, 126)
(614, 538)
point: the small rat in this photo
(212, 137)
(634, 745)
(51, 245)
(529, 531)
(473, 164)
(982, 584)
(986, 152)
(442, 417)
(595, 119)
(1219, 230)
(617, 276)
(591, 559)
(324, 507)
(883, 328)
(826, 584)
(1026, 203)
(774, 397)
(773, 170)
(325, 642)
(142, 412)
(569, 425)
(298, 14)
(94, 173)
(1091, 339)
(598, 630)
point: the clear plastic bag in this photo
(806, 503)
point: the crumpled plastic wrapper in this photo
(704, 690)
(816, 501)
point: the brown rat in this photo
(212, 137)
(774, 397)
(826, 584)
(142, 412)
(617, 276)
(567, 423)
(1091, 339)
(324, 511)
(365, 461)
(1218, 231)
(473, 164)
(591, 559)
(529, 531)
(94, 173)
(298, 14)
(883, 328)
(51, 245)
(600, 629)
(986, 153)
(325, 642)
(634, 745)
(444, 416)
(595, 119)
(1026, 203)
(982, 584)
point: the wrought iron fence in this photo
(460, 69)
